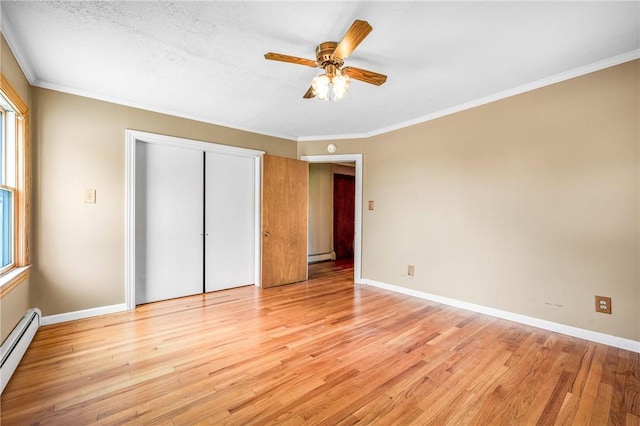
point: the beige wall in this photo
(79, 143)
(15, 304)
(11, 70)
(529, 204)
(320, 209)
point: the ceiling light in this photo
(330, 87)
(330, 56)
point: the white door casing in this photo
(357, 246)
(134, 136)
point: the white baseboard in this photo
(320, 257)
(86, 313)
(594, 336)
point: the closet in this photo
(195, 220)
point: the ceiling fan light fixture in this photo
(330, 88)
(333, 84)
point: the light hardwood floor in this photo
(321, 269)
(324, 351)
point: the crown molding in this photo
(335, 137)
(26, 67)
(16, 47)
(567, 75)
(152, 108)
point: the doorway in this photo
(344, 193)
(354, 163)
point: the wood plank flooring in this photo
(324, 351)
(322, 269)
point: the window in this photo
(6, 192)
(6, 228)
(13, 179)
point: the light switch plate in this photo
(411, 270)
(90, 196)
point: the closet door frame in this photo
(134, 136)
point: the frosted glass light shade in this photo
(330, 89)
(320, 86)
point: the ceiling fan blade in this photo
(292, 59)
(310, 93)
(364, 75)
(359, 31)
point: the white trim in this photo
(133, 136)
(130, 220)
(364, 135)
(327, 138)
(85, 313)
(258, 223)
(16, 48)
(357, 246)
(26, 67)
(594, 336)
(567, 75)
(153, 108)
(196, 145)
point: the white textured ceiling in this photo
(204, 60)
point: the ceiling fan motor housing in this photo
(324, 52)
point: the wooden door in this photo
(344, 194)
(284, 220)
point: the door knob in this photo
(266, 233)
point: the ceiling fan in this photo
(330, 56)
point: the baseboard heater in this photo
(17, 343)
(320, 257)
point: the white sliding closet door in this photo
(229, 221)
(169, 222)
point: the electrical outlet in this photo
(371, 205)
(603, 304)
(411, 270)
(90, 196)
